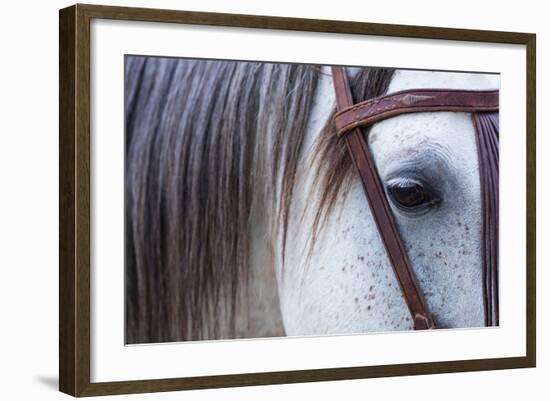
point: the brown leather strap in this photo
(381, 211)
(410, 101)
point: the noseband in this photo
(349, 121)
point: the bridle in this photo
(349, 120)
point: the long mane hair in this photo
(208, 143)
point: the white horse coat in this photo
(348, 285)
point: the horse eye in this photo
(409, 194)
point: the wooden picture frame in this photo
(74, 200)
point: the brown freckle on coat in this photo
(356, 299)
(421, 254)
(459, 224)
(369, 307)
(343, 268)
(371, 287)
(466, 227)
(361, 258)
(373, 137)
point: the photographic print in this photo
(252, 200)
(267, 199)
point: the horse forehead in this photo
(448, 135)
(412, 79)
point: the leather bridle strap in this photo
(413, 101)
(383, 217)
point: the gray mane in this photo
(208, 143)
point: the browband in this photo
(411, 101)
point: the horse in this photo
(245, 217)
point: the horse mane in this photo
(209, 142)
